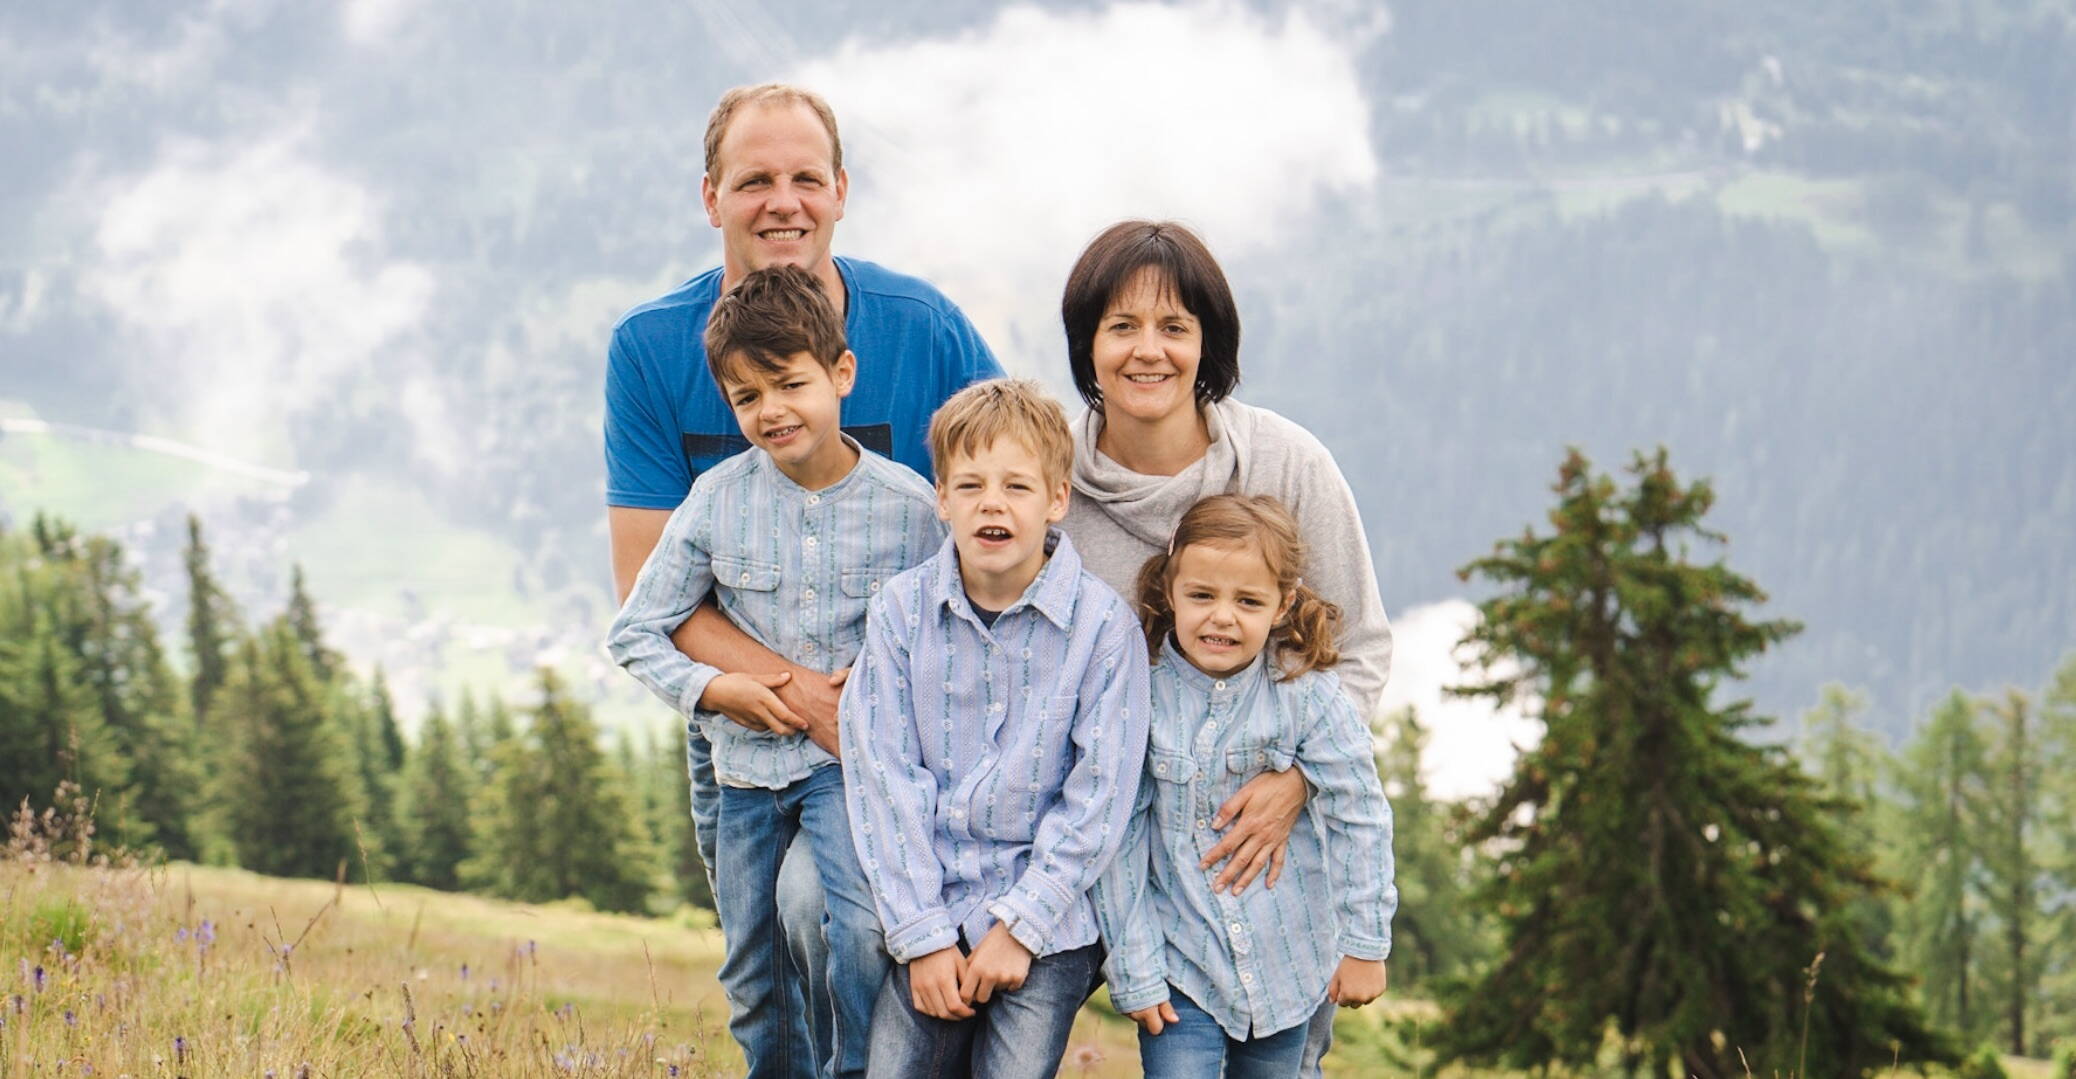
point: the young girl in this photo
(1219, 983)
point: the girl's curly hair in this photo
(1305, 637)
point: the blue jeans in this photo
(800, 910)
(1020, 1034)
(1319, 1037)
(1195, 1046)
(755, 828)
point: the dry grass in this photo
(192, 971)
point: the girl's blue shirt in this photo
(1258, 962)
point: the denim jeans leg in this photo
(906, 1044)
(1191, 1047)
(763, 1003)
(856, 948)
(1274, 1056)
(1319, 1037)
(706, 797)
(800, 909)
(1024, 1032)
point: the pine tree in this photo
(212, 623)
(1848, 764)
(1658, 876)
(668, 799)
(556, 821)
(2012, 861)
(51, 726)
(285, 790)
(1938, 785)
(370, 786)
(1435, 933)
(303, 621)
(2057, 1020)
(434, 801)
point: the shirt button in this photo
(814, 500)
(1202, 823)
(745, 578)
(1220, 684)
(958, 812)
(875, 586)
(1160, 768)
(1235, 927)
(807, 593)
(1247, 976)
(807, 646)
(995, 707)
(810, 541)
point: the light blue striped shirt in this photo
(1258, 962)
(793, 568)
(990, 772)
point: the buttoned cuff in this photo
(1024, 917)
(1138, 997)
(695, 687)
(1363, 946)
(930, 931)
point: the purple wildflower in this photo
(180, 934)
(71, 1020)
(179, 1049)
(464, 972)
(39, 979)
(206, 934)
(673, 1070)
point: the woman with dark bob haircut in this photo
(1153, 338)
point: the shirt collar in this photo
(1051, 593)
(788, 487)
(1237, 682)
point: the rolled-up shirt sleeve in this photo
(678, 575)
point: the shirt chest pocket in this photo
(745, 574)
(1049, 751)
(1170, 767)
(1247, 760)
(866, 583)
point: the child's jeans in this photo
(1019, 1034)
(755, 827)
(1195, 1046)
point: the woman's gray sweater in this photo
(1120, 518)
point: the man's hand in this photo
(813, 698)
(1262, 813)
(748, 699)
(933, 984)
(1356, 982)
(1000, 963)
(1155, 1019)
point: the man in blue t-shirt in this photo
(775, 187)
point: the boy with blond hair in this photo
(791, 537)
(992, 731)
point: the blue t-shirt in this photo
(666, 422)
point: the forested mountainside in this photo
(1821, 252)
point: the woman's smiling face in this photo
(1146, 351)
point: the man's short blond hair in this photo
(762, 94)
(1016, 408)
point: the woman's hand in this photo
(1356, 982)
(1262, 813)
(1153, 1020)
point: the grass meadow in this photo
(112, 969)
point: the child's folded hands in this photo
(1001, 962)
(933, 984)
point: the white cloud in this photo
(1472, 747)
(369, 21)
(249, 283)
(986, 160)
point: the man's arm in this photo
(711, 639)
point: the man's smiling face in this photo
(775, 194)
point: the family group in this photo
(1087, 705)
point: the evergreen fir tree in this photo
(1435, 933)
(212, 623)
(669, 810)
(434, 801)
(1938, 784)
(303, 621)
(371, 787)
(1658, 876)
(2057, 1020)
(286, 794)
(1848, 764)
(555, 819)
(2012, 861)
